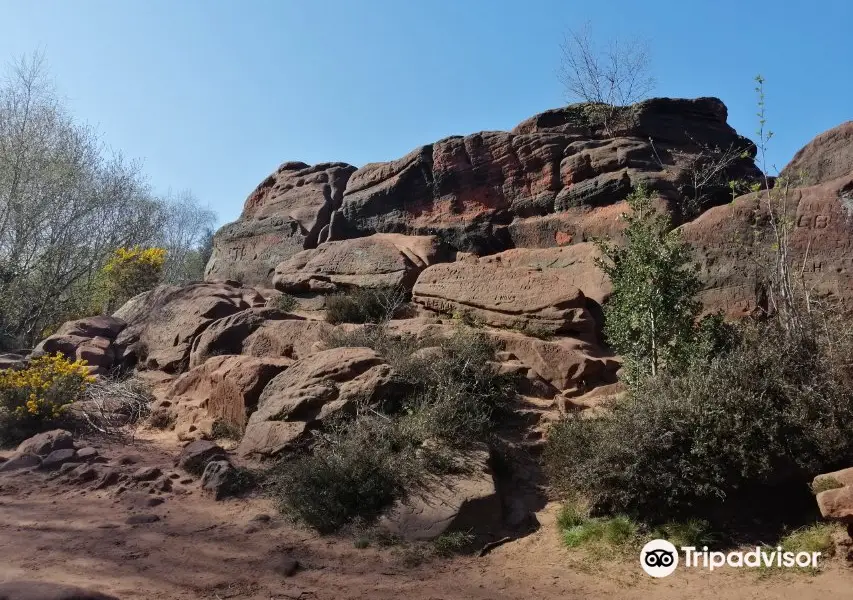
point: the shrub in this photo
(35, 398)
(458, 393)
(287, 303)
(454, 390)
(359, 467)
(128, 272)
(776, 410)
(354, 471)
(364, 305)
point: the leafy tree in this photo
(650, 317)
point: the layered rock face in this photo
(556, 179)
(734, 243)
(547, 183)
(383, 259)
(285, 214)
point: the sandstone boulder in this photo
(282, 216)
(457, 503)
(20, 461)
(163, 323)
(91, 339)
(227, 335)
(837, 504)
(46, 442)
(224, 388)
(827, 157)
(378, 260)
(311, 390)
(734, 246)
(195, 456)
(220, 479)
(568, 364)
(287, 339)
(576, 264)
(540, 301)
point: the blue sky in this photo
(213, 95)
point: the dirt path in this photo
(205, 549)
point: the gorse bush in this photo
(364, 305)
(34, 398)
(358, 467)
(775, 410)
(131, 271)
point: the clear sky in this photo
(214, 94)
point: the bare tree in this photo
(186, 233)
(65, 203)
(609, 78)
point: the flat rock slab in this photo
(540, 301)
(383, 259)
(468, 503)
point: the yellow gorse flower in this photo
(44, 388)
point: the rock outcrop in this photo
(383, 259)
(460, 503)
(550, 181)
(228, 334)
(162, 324)
(91, 339)
(827, 157)
(285, 214)
(539, 301)
(734, 245)
(311, 390)
(558, 178)
(835, 496)
(223, 389)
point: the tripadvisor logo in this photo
(660, 558)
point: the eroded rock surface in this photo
(224, 388)
(542, 302)
(282, 216)
(490, 191)
(373, 261)
(311, 390)
(163, 323)
(734, 245)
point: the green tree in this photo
(650, 316)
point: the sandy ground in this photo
(206, 549)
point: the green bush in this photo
(287, 303)
(354, 471)
(357, 468)
(776, 410)
(364, 305)
(649, 319)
